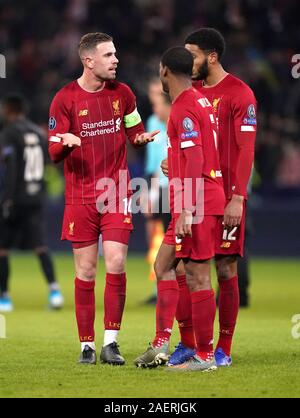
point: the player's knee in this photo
(163, 273)
(159, 269)
(224, 273)
(226, 268)
(115, 263)
(199, 282)
(86, 271)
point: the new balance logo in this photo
(83, 112)
(226, 245)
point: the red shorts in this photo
(201, 246)
(83, 224)
(232, 242)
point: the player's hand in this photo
(234, 211)
(183, 225)
(69, 140)
(165, 167)
(145, 137)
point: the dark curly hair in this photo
(209, 40)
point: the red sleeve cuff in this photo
(58, 152)
(133, 132)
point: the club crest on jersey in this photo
(216, 104)
(116, 107)
(52, 123)
(71, 228)
(188, 125)
(83, 112)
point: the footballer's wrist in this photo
(237, 198)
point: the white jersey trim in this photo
(54, 139)
(187, 144)
(245, 128)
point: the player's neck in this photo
(215, 76)
(89, 84)
(177, 88)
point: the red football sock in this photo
(114, 300)
(229, 300)
(184, 313)
(85, 309)
(204, 312)
(167, 298)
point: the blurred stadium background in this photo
(39, 41)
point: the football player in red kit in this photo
(90, 119)
(192, 156)
(234, 106)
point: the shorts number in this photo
(127, 205)
(229, 236)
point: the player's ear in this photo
(164, 71)
(89, 62)
(213, 58)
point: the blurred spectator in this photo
(39, 42)
(22, 218)
(157, 198)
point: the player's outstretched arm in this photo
(145, 137)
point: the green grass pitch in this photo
(39, 356)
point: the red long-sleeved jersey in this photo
(234, 107)
(103, 120)
(192, 152)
